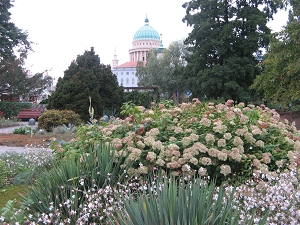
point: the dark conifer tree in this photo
(226, 37)
(85, 77)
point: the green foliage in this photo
(182, 203)
(10, 193)
(142, 98)
(165, 71)
(54, 118)
(23, 130)
(11, 36)
(16, 83)
(225, 37)
(24, 168)
(8, 123)
(50, 119)
(109, 112)
(87, 77)
(70, 117)
(65, 129)
(279, 80)
(4, 171)
(71, 181)
(223, 141)
(11, 109)
(10, 212)
(45, 101)
(129, 109)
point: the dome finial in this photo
(146, 20)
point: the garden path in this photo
(8, 130)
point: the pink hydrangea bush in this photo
(224, 141)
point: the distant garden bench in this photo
(34, 113)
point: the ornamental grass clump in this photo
(176, 201)
(79, 190)
(226, 142)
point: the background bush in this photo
(87, 77)
(53, 118)
(225, 141)
(11, 109)
(142, 98)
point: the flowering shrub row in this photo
(224, 141)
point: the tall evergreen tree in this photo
(226, 36)
(11, 37)
(85, 77)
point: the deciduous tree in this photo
(16, 82)
(164, 70)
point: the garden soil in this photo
(9, 130)
(291, 116)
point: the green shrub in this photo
(141, 98)
(3, 174)
(53, 118)
(70, 117)
(225, 141)
(11, 109)
(23, 130)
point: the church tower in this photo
(115, 61)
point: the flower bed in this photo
(246, 149)
(225, 141)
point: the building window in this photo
(127, 73)
(127, 81)
(132, 73)
(143, 58)
(116, 73)
(132, 80)
(122, 82)
(121, 73)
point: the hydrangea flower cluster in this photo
(225, 141)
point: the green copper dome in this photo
(146, 32)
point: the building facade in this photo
(144, 39)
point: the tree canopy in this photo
(12, 38)
(227, 36)
(280, 79)
(164, 70)
(14, 46)
(87, 77)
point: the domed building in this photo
(144, 39)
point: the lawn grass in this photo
(11, 193)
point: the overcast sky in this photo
(63, 29)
